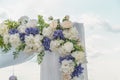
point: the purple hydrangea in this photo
(46, 43)
(22, 37)
(12, 77)
(13, 31)
(68, 57)
(78, 70)
(32, 31)
(58, 34)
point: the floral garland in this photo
(36, 36)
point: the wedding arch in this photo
(58, 44)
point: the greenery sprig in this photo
(5, 47)
(11, 24)
(18, 49)
(40, 57)
(41, 23)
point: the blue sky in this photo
(101, 19)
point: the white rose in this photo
(66, 48)
(54, 45)
(15, 40)
(71, 33)
(67, 66)
(48, 32)
(32, 23)
(22, 28)
(66, 76)
(3, 29)
(23, 20)
(79, 56)
(54, 24)
(6, 39)
(67, 24)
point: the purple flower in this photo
(58, 34)
(68, 57)
(46, 43)
(78, 70)
(22, 37)
(13, 31)
(12, 77)
(32, 31)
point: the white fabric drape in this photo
(50, 65)
(7, 59)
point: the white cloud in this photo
(102, 48)
(3, 14)
(30, 8)
(94, 22)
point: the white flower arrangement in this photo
(36, 36)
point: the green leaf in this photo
(1, 42)
(5, 47)
(15, 54)
(18, 49)
(21, 47)
(40, 57)
(11, 24)
(75, 62)
(78, 48)
(41, 23)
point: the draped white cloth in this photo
(50, 65)
(7, 59)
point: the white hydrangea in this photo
(66, 48)
(14, 40)
(29, 40)
(6, 38)
(33, 44)
(22, 28)
(54, 45)
(67, 24)
(71, 33)
(32, 23)
(38, 48)
(23, 20)
(3, 29)
(38, 45)
(48, 32)
(79, 56)
(38, 38)
(67, 66)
